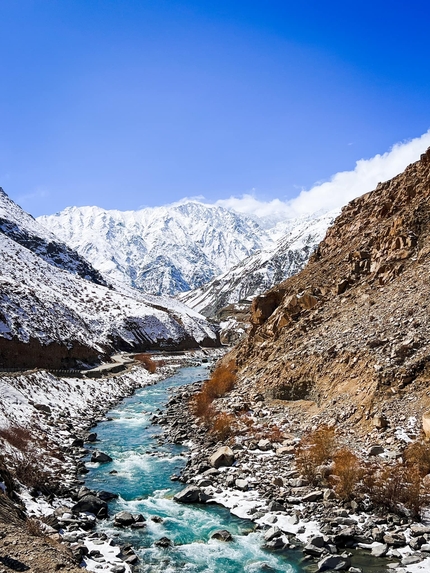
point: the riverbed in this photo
(140, 473)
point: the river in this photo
(140, 474)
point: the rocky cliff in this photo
(349, 335)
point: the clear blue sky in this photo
(128, 103)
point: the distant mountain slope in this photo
(25, 230)
(51, 317)
(163, 250)
(262, 270)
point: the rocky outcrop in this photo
(350, 331)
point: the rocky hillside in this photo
(348, 337)
(50, 316)
(162, 250)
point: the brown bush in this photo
(396, 487)
(347, 473)
(224, 426)
(201, 406)
(34, 527)
(18, 437)
(418, 454)
(315, 449)
(274, 434)
(222, 381)
(147, 362)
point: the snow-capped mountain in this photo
(162, 250)
(25, 230)
(51, 315)
(264, 269)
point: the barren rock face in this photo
(350, 332)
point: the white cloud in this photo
(340, 189)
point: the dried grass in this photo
(147, 362)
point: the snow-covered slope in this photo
(25, 230)
(162, 250)
(45, 310)
(264, 269)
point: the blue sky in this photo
(124, 104)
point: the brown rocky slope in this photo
(348, 337)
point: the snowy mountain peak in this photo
(160, 250)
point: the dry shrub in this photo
(222, 381)
(315, 449)
(274, 434)
(396, 487)
(34, 527)
(147, 362)
(25, 461)
(224, 426)
(16, 436)
(201, 406)
(347, 473)
(418, 454)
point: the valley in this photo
(333, 359)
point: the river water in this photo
(142, 479)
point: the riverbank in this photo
(44, 424)
(257, 479)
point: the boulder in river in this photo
(100, 457)
(222, 535)
(164, 542)
(123, 518)
(334, 562)
(224, 456)
(191, 494)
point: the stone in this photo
(107, 495)
(272, 533)
(380, 421)
(264, 445)
(100, 457)
(132, 559)
(92, 437)
(222, 535)
(375, 450)
(92, 504)
(334, 563)
(380, 550)
(191, 494)
(276, 543)
(310, 549)
(241, 484)
(224, 456)
(313, 496)
(164, 542)
(275, 506)
(395, 539)
(123, 519)
(417, 529)
(317, 541)
(411, 559)
(43, 408)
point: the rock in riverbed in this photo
(100, 457)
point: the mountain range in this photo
(56, 308)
